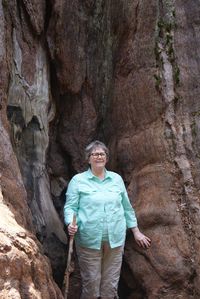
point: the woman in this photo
(100, 202)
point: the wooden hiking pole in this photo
(69, 268)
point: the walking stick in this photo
(69, 268)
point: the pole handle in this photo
(74, 219)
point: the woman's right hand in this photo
(72, 229)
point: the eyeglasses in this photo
(96, 155)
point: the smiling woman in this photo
(99, 200)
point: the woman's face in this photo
(98, 158)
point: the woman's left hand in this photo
(142, 240)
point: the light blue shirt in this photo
(95, 201)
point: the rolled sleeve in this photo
(129, 213)
(72, 201)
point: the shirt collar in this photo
(91, 175)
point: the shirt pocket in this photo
(114, 189)
(114, 197)
(86, 195)
(85, 191)
(114, 202)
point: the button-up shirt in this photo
(95, 201)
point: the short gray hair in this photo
(93, 145)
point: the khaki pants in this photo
(100, 271)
